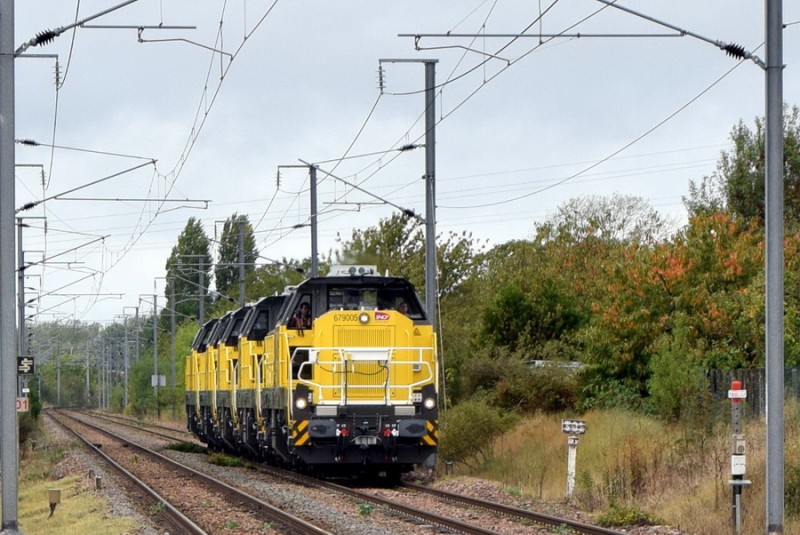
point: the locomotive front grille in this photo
(363, 337)
(364, 380)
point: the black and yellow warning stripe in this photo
(432, 436)
(300, 432)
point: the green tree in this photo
(737, 185)
(677, 385)
(520, 318)
(273, 278)
(619, 218)
(237, 234)
(397, 245)
(189, 271)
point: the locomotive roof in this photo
(362, 280)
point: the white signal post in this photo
(738, 461)
(572, 428)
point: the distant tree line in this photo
(605, 283)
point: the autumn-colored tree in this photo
(702, 286)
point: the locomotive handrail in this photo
(234, 390)
(258, 383)
(348, 355)
(213, 382)
(196, 368)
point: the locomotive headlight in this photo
(363, 318)
(429, 403)
(301, 403)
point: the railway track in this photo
(183, 492)
(166, 432)
(526, 516)
(538, 518)
(425, 513)
(167, 513)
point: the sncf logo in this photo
(381, 316)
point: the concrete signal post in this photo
(573, 428)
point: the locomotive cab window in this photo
(261, 324)
(302, 317)
(299, 356)
(352, 298)
(365, 298)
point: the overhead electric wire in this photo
(439, 87)
(32, 204)
(170, 180)
(618, 151)
(59, 83)
(346, 152)
(195, 131)
(369, 115)
(34, 143)
(199, 123)
(452, 79)
(606, 4)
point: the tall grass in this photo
(678, 473)
(82, 509)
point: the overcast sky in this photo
(523, 126)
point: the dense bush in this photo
(28, 426)
(529, 389)
(507, 379)
(35, 404)
(792, 491)
(468, 431)
(627, 516)
(678, 387)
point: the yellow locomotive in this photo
(338, 376)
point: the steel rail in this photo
(539, 518)
(139, 425)
(172, 515)
(290, 521)
(430, 518)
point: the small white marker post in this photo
(572, 428)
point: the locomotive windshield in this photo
(261, 317)
(201, 338)
(347, 297)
